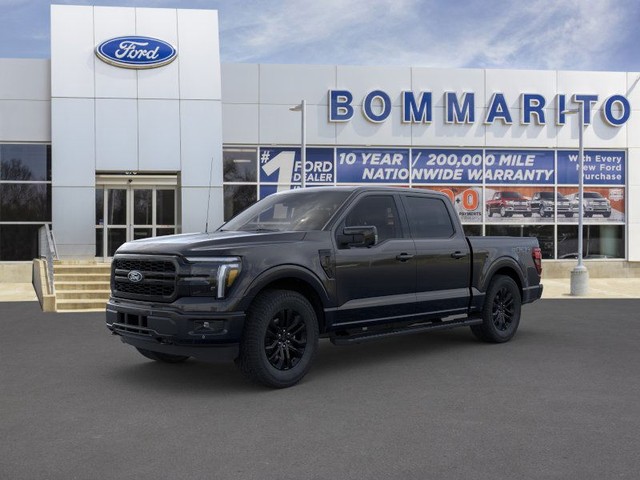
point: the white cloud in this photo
(547, 34)
(285, 26)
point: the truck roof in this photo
(368, 188)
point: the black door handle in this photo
(403, 257)
(458, 254)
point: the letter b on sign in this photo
(340, 109)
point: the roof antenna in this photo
(206, 223)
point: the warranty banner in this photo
(601, 167)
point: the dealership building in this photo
(134, 129)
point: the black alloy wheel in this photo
(286, 339)
(279, 339)
(501, 311)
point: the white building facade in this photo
(107, 154)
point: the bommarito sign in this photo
(459, 108)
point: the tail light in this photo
(536, 253)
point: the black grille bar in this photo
(158, 282)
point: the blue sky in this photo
(533, 34)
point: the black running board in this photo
(429, 327)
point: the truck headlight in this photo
(212, 276)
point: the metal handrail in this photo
(49, 251)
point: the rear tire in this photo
(279, 340)
(162, 357)
(501, 311)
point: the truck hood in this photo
(204, 244)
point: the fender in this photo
(497, 264)
(478, 292)
(280, 272)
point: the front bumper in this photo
(208, 336)
(518, 209)
(597, 209)
(564, 210)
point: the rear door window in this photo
(428, 217)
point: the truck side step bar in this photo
(365, 336)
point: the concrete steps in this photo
(72, 269)
(81, 286)
(80, 305)
(95, 285)
(83, 294)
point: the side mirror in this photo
(361, 236)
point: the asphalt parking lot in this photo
(562, 400)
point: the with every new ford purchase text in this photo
(350, 264)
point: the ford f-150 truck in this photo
(350, 264)
(546, 202)
(507, 204)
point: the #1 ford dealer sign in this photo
(136, 52)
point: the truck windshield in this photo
(511, 195)
(299, 210)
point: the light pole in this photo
(302, 107)
(580, 274)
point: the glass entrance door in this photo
(153, 211)
(131, 212)
(142, 205)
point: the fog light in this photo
(206, 327)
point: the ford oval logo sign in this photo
(135, 276)
(136, 52)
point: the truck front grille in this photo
(152, 278)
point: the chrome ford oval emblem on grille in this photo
(135, 276)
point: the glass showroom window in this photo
(599, 241)
(544, 234)
(25, 199)
(240, 177)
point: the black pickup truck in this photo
(350, 264)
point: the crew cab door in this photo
(378, 281)
(443, 256)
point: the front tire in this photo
(501, 311)
(280, 339)
(162, 357)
